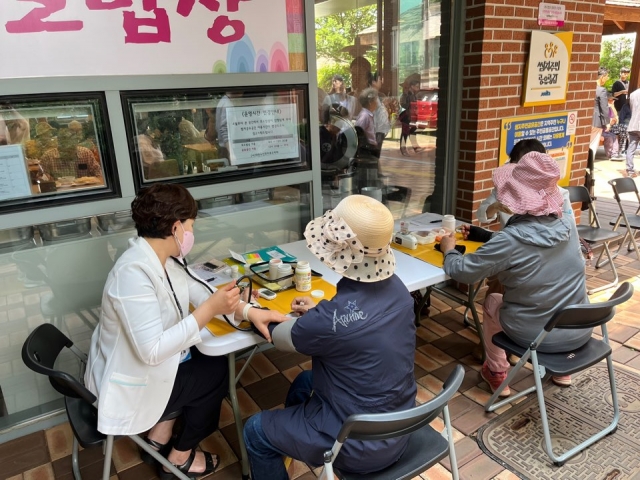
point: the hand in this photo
(262, 318)
(497, 207)
(302, 304)
(225, 300)
(465, 229)
(448, 243)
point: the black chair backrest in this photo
(579, 194)
(39, 353)
(589, 315)
(380, 426)
(623, 185)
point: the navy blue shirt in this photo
(362, 344)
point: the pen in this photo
(436, 221)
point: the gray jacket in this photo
(601, 108)
(539, 263)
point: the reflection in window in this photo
(401, 62)
(216, 134)
(60, 147)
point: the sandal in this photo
(210, 467)
(162, 448)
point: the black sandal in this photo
(162, 448)
(210, 467)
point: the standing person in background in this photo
(343, 104)
(410, 88)
(380, 116)
(600, 112)
(624, 116)
(633, 130)
(620, 91)
(366, 119)
(610, 138)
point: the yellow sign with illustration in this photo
(556, 131)
(547, 73)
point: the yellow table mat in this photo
(282, 304)
(429, 254)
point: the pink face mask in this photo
(188, 240)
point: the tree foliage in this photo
(337, 31)
(617, 52)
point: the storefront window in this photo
(53, 147)
(210, 136)
(379, 142)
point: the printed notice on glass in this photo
(262, 133)
(14, 177)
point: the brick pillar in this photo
(497, 36)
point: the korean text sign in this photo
(556, 131)
(263, 133)
(146, 37)
(547, 73)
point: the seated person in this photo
(536, 258)
(68, 159)
(369, 100)
(361, 342)
(141, 362)
(490, 208)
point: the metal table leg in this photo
(469, 303)
(244, 458)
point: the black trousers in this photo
(200, 386)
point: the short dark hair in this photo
(602, 72)
(155, 209)
(625, 70)
(525, 146)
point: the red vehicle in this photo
(424, 112)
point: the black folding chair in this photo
(426, 446)
(594, 234)
(630, 222)
(39, 352)
(586, 315)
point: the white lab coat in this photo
(135, 350)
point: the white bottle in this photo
(284, 270)
(303, 276)
(449, 223)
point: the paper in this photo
(14, 176)
(262, 255)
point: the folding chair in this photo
(566, 363)
(594, 234)
(630, 222)
(426, 446)
(39, 352)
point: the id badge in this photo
(185, 355)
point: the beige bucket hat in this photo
(354, 239)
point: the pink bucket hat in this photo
(354, 239)
(530, 186)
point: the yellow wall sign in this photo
(556, 131)
(547, 72)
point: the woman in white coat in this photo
(141, 365)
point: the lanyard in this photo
(175, 297)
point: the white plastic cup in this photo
(284, 269)
(449, 223)
(273, 268)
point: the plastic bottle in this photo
(303, 276)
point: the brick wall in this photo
(497, 37)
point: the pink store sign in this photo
(551, 15)
(44, 38)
